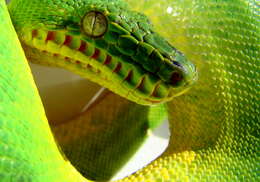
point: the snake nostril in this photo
(176, 78)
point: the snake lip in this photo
(58, 48)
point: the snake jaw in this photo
(75, 54)
(129, 59)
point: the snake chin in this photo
(127, 79)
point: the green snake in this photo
(214, 125)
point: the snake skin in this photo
(214, 127)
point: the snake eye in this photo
(94, 24)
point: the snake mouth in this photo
(81, 56)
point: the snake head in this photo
(107, 43)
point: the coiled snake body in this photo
(214, 126)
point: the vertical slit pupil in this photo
(94, 24)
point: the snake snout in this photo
(187, 68)
(113, 47)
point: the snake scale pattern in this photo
(215, 127)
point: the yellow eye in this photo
(94, 24)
